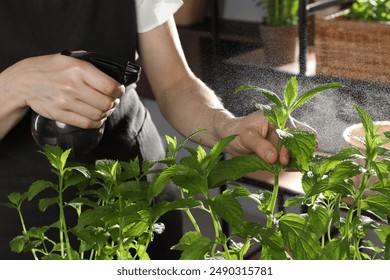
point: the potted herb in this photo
(355, 39)
(279, 30)
(117, 219)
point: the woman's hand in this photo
(255, 135)
(57, 87)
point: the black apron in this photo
(39, 27)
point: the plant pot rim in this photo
(339, 16)
(352, 133)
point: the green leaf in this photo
(369, 130)
(366, 119)
(318, 220)
(191, 180)
(329, 163)
(37, 232)
(37, 187)
(300, 144)
(384, 189)
(312, 92)
(137, 228)
(343, 171)
(132, 191)
(163, 207)
(46, 202)
(184, 176)
(82, 201)
(229, 209)
(336, 249)
(269, 114)
(201, 154)
(81, 169)
(130, 170)
(377, 204)
(296, 200)
(250, 230)
(238, 192)
(56, 156)
(274, 98)
(52, 257)
(194, 246)
(17, 198)
(382, 172)
(107, 169)
(92, 216)
(273, 245)
(18, 243)
(387, 248)
(218, 149)
(302, 243)
(235, 168)
(184, 141)
(342, 187)
(336, 217)
(291, 91)
(171, 144)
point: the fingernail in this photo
(286, 159)
(269, 156)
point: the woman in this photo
(34, 76)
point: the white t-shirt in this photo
(152, 13)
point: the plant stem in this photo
(189, 214)
(356, 202)
(63, 227)
(192, 219)
(272, 204)
(216, 231)
(25, 231)
(120, 256)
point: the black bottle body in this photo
(51, 132)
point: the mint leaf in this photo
(377, 204)
(194, 246)
(273, 97)
(312, 92)
(302, 243)
(37, 187)
(300, 144)
(229, 209)
(235, 168)
(291, 91)
(336, 249)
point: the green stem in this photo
(356, 203)
(25, 231)
(329, 231)
(63, 226)
(192, 219)
(147, 243)
(120, 256)
(216, 232)
(272, 204)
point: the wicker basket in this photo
(191, 12)
(352, 49)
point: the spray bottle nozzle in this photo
(123, 71)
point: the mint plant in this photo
(116, 216)
(347, 196)
(301, 146)
(196, 175)
(330, 189)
